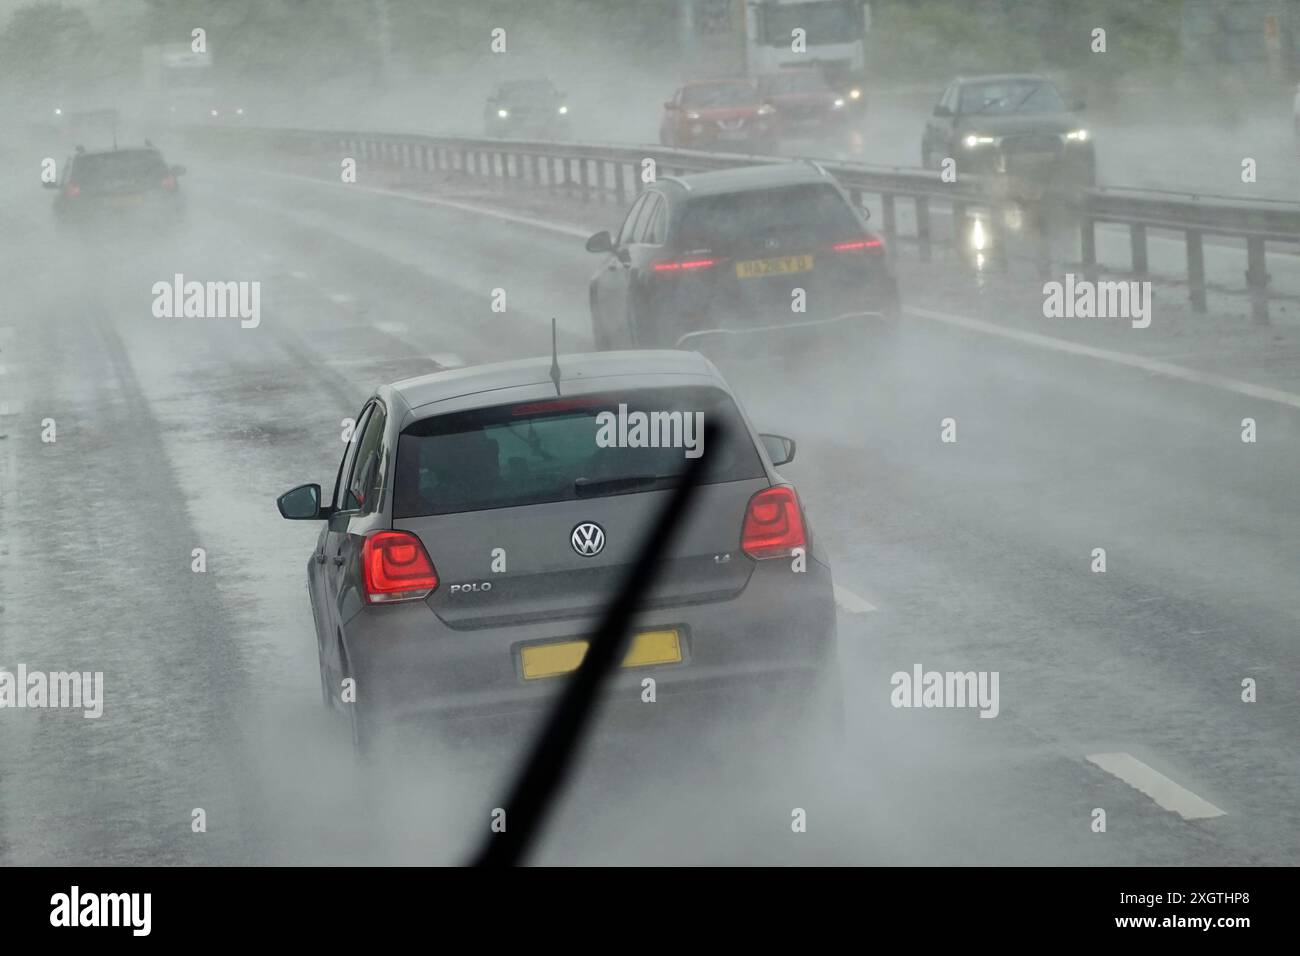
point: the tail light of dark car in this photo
(691, 264)
(72, 190)
(773, 524)
(169, 183)
(396, 567)
(867, 244)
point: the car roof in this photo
(720, 81)
(574, 369)
(117, 152)
(526, 82)
(766, 176)
(1003, 78)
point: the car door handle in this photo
(339, 559)
(320, 557)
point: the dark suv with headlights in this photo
(531, 107)
(1015, 125)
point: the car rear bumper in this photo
(698, 308)
(778, 632)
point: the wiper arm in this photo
(586, 487)
(550, 757)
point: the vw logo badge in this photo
(588, 539)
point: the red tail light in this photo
(169, 183)
(682, 265)
(72, 191)
(396, 568)
(868, 244)
(773, 524)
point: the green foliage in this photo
(935, 38)
(44, 40)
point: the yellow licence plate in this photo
(648, 647)
(781, 265)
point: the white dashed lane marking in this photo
(850, 602)
(1154, 366)
(1156, 785)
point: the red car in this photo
(804, 100)
(720, 114)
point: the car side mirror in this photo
(942, 111)
(670, 105)
(779, 448)
(178, 170)
(601, 242)
(301, 504)
(50, 185)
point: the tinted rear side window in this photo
(127, 167)
(807, 212)
(552, 450)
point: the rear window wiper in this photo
(589, 487)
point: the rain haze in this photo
(351, 353)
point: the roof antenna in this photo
(555, 359)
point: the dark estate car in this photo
(734, 250)
(479, 524)
(530, 107)
(120, 185)
(1015, 125)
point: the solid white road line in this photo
(850, 602)
(1156, 785)
(1154, 366)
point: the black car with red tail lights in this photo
(118, 186)
(757, 249)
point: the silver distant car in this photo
(482, 517)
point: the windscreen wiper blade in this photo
(548, 761)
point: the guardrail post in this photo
(923, 226)
(1196, 270)
(620, 190)
(891, 221)
(582, 178)
(1257, 279)
(1137, 233)
(1088, 247)
(464, 160)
